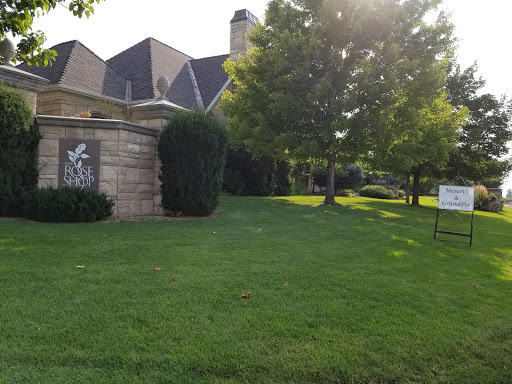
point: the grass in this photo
(372, 298)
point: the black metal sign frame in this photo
(470, 234)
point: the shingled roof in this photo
(145, 62)
(210, 76)
(193, 83)
(78, 67)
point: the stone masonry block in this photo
(130, 147)
(135, 208)
(145, 164)
(146, 176)
(128, 162)
(108, 173)
(49, 169)
(147, 196)
(145, 188)
(128, 196)
(42, 160)
(48, 147)
(123, 208)
(128, 188)
(107, 134)
(109, 187)
(109, 160)
(147, 208)
(74, 133)
(109, 145)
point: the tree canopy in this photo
(482, 144)
(17, 17)
(321, 73)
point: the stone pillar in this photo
(30, 85)
(241, 25)
(496, 204)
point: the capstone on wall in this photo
(129, 164)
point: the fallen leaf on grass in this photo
(158, 269)
(173, 279)
(260, 229)
(286, 283)
(477, 286)
(104, 236)
(246, 295)
(80, 266)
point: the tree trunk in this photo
(273, 176)
(416, 188)
(329, 190)
(408, 190)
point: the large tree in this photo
(483, 143)
(321, 72)
(428, 136)
(17, 17)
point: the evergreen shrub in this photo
(67, 205)
(19, 138)
(401, 193)
(376, 192)
(192, 149)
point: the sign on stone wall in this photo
(456, 198)
(79, 164)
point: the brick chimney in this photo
(241, 24)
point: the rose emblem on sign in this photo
(76, 174)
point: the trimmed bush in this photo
(376, 192)
(192, 149)
(401, 193)
(67, 205)
(19, 137)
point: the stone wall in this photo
(495, 206)
(26, 83)
(129, 164)
(58, 102)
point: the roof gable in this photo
(145, 62)
(78, 67)
(210, 76)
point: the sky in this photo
(200, 28)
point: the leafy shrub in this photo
(401, 193)
(376, 191)
(19, 137)
(192, 149)
(346, 193)
(483, 199)
(67, 205)
(247, 174)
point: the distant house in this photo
(80, 81)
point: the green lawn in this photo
(372, 298)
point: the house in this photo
(125, 86)
(129, 97)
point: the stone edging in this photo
(75, 122)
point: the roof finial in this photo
(163, 86)
(7, 51)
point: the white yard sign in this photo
(456, 198)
